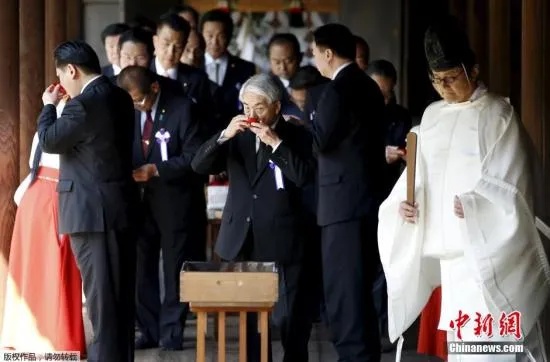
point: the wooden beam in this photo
(476, 20)
(9, 131)
(531, 71)
(31, 75)
(54, 33)
(74, 19)
(499, 71)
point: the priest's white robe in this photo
(492, 260)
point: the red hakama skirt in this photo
(43, 305)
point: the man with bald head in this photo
(172, 203)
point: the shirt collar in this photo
(479, 92)
(88, 83)
(285, 82)
(116, 69)
(172, 72)
(340, 69)
(155, 105)
(209, 60)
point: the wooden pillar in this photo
(499, 71)
(74, 19)
(457, 8)
(9, 131)
(476, 20)
(532, 71)
(54, 33)
(31, 75)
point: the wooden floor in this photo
(320, 348)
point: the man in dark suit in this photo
(169, 41)
(268, 162)
(284, 55)
(136, 48)
(96, 193)
(109, 38)
(348, 137)
(173, 204)
(226, 70)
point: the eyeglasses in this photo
(445, 80)
(142, 102)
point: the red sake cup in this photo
(62, 90)
(251, 120)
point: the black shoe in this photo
(144, 343)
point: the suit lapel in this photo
(158, 123)
(279, 129)
(247, 150)
(138, 144)
(184, 79)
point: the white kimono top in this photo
(46, 160)
(475, 150)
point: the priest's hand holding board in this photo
(409, 209)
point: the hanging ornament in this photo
(295, 7)
(224, 5)
(295, 12)
(275, 23)
(308, 22)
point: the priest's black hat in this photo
(446, 45)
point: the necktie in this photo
(218, 73)
(36, 163)
(146, 134)
(261, 156)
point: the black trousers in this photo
(107, 266)
(162, 322)
(350, 253)
(290, 314)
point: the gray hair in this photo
(263, 85)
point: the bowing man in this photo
(173, 205)
(268, 161)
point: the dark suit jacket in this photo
(348, 136)
(227, 96)
(196, 86)
(288, 108)
(398, 123)
(94, 139)
(253, 200)
(176, 196)
(108, 71)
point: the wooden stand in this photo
(222, 288)
(202, 310)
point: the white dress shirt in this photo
(171, 73)
(340, 69)
(153, 113)
(88, 83)
(216, 75)
(116, 69)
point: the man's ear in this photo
(300, 57)
(155, 44)
(328, 54)
(278, 106)
(72, 70)
(474, 73)
(155, 87)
